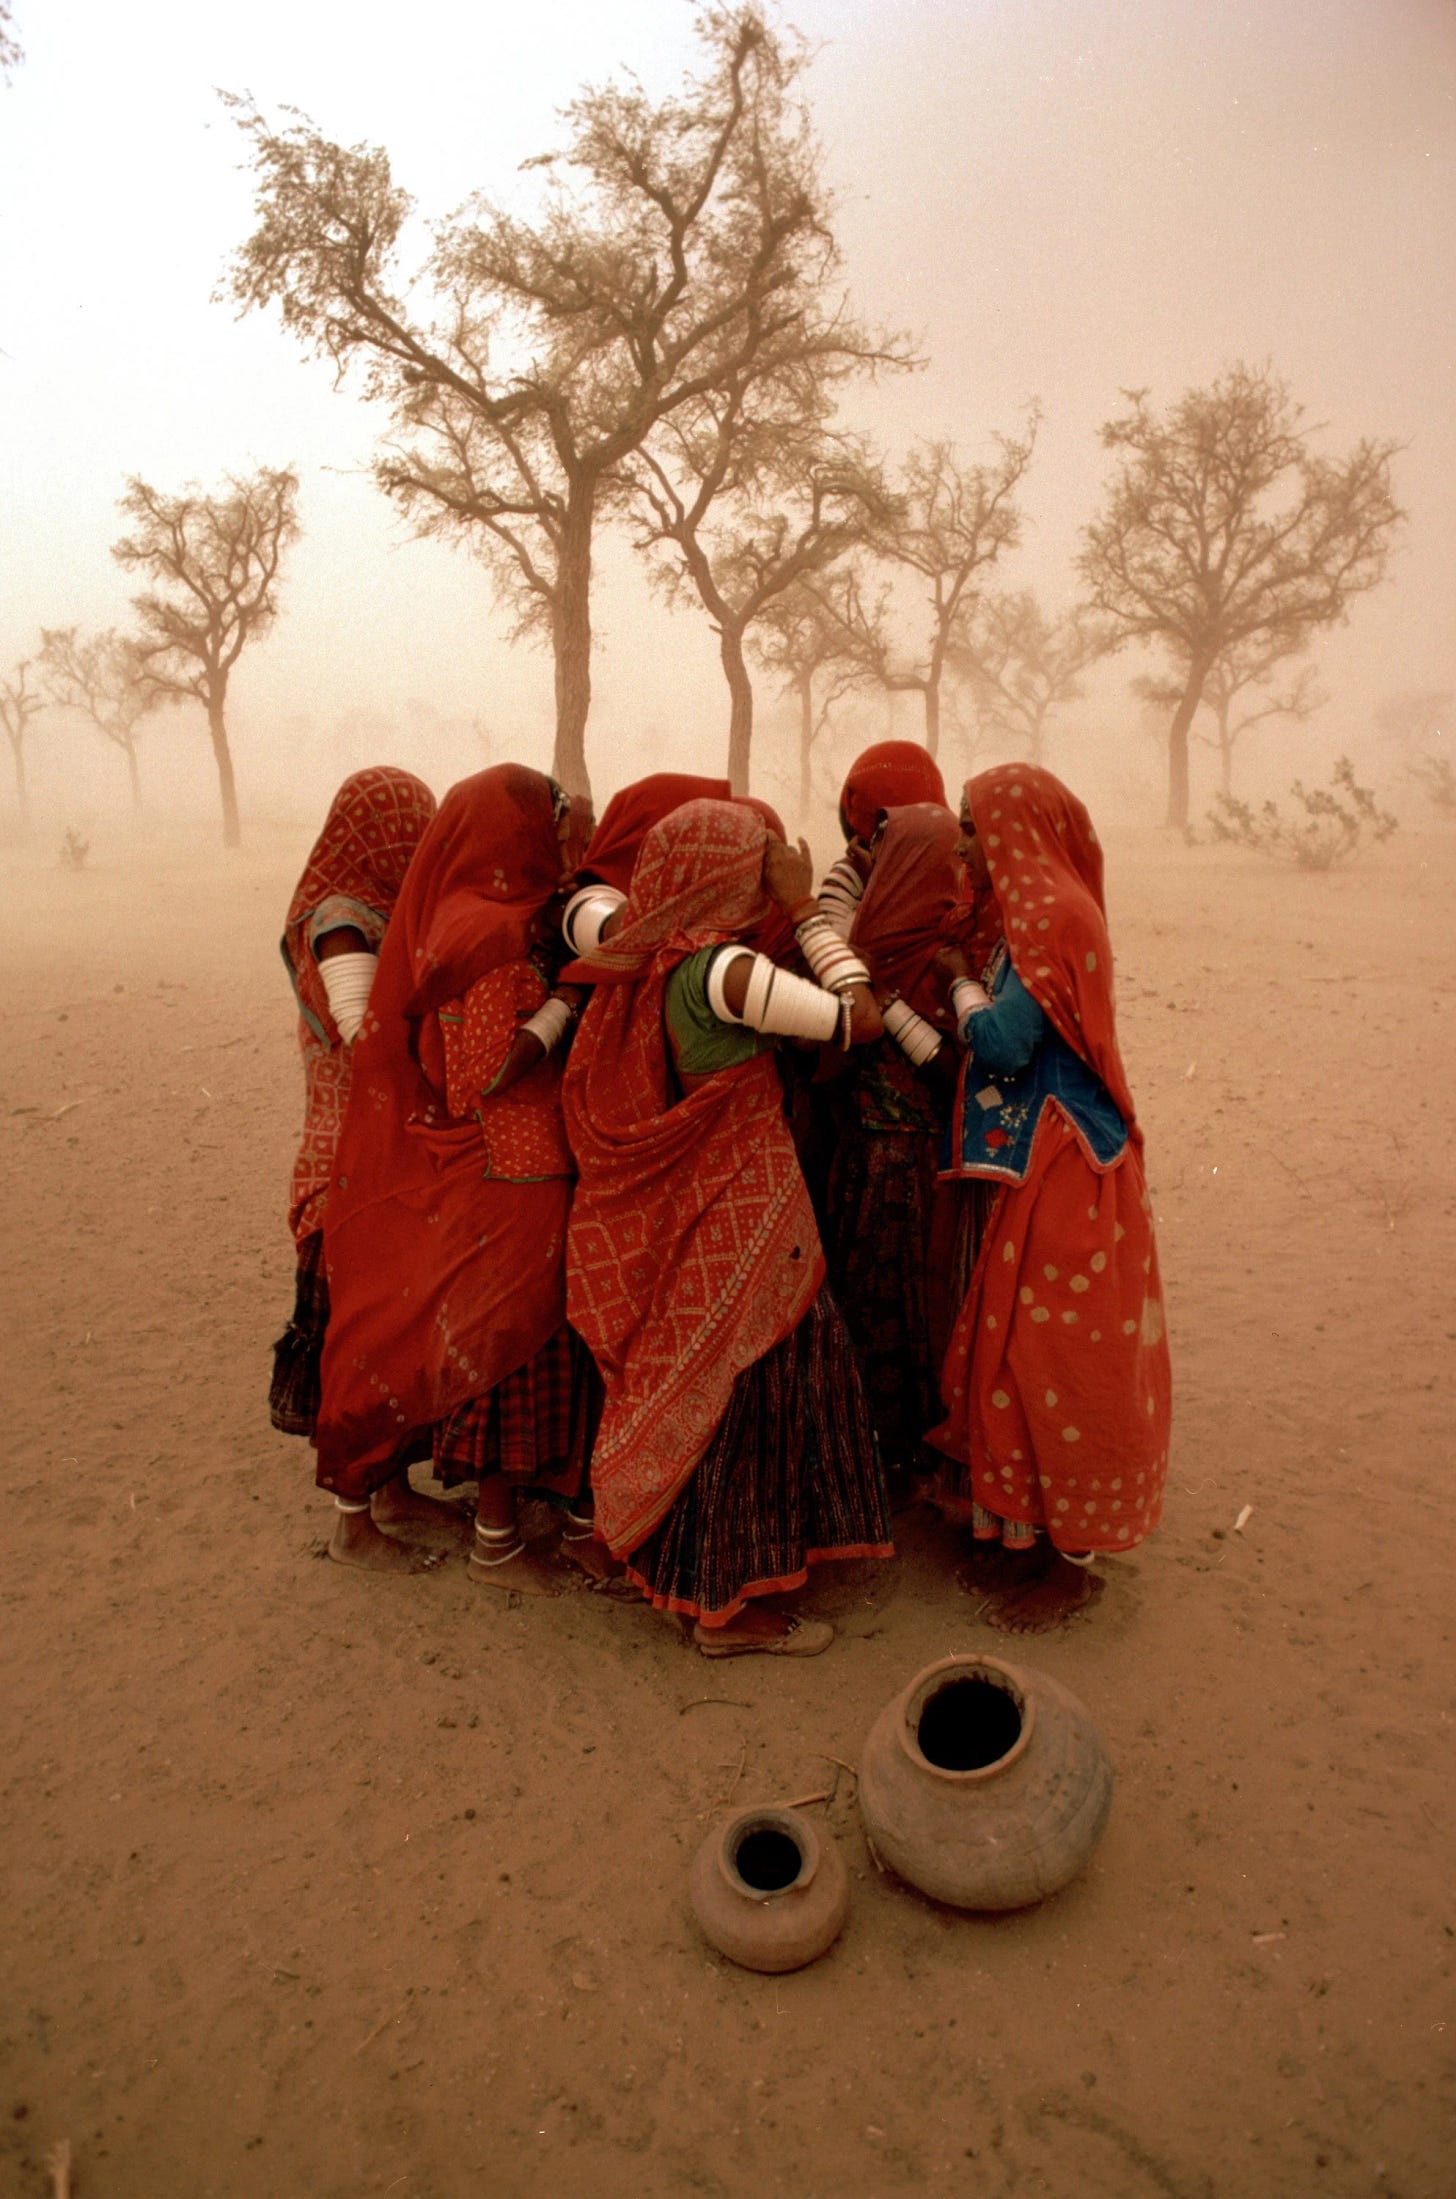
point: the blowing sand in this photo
(327, 1885)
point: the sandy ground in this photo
(326, 1885)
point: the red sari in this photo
(631, 814)
(887, 775)
(354, 871)
(1056, 1383)
(443, 1279)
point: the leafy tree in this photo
(215, 561)
(19, 703)
(1222, 528)
(99, 680)
(529, 361)
(799, 640)
(951, 523)
(1023, 667)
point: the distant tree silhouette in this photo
(1222, 529)
(12, 53)
(952, 523)
(681, 250)
(215, 561)
(19, 703)
(1024, 667)
(796, 638)
(1240, 693)
(99, 679)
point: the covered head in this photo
(914, 894)
(485, 870)
(888, 775)
(630, 815)
(1045, 865)
(697, 882)
(374, 825)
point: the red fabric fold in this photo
(692, 1249)
(916, 889)
(888, 775)
(441, 1282)
(631, 814)
(375, 823)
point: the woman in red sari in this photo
(886, 775)
(445, 1231)
(1056, 1383)
(331, 939)
(735, 1448)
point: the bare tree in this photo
(799, 500)
(12, 53)
(19, 703)
(528, 362)
(1420, 723)
(215, 560)
(1238, 694)
(1221, 527)
(953, 522)
(1023, 667)
(99, 680)
(796, 638)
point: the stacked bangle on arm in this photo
(551, 1023)
(836, 966)
(918, 1040)
(840, 895)
(967, 997)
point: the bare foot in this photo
(1044, 1601)
(591, 1557)
(357, 1541)
(770, 1633)
(993, 1570)
(399, 1509)
(521, 1574)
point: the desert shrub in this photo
(1329, 826)
(74, 851)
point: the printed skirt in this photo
(791, 1477)
(536, 1427)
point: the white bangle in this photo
(586, 915)
(840, 895)
(837, 966)
(967, 997)
(918, 1040)
(782, 1005)
(549, 1024)
(348, 980)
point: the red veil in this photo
(692, 1249)
(441, 1282)
(914, 897)
(375, 823)
(631, 814)
(1056, 1382)
(888, 775)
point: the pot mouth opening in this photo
(767, 1858)
(971, 1722)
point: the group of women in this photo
(725, 1215)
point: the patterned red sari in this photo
(443, 1280)
(1056, 1383)
(887, 775)
(631, 814)
(354, 871)
(692, 1250)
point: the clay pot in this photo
(984, 1784)
(769, 1890)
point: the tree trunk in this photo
(740, 716)
(22, 791)
(227, 786)
(932, 716)
(572, 641)
(1178, 746)
(804, 687)
(135, 778)
(1225, 752)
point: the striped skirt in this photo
(537, 1426)
(791, 1477)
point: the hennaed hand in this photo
(788, 873)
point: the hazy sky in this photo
(1059, 198)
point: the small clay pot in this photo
(769, 1890)
(984, 1784)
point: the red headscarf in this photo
(375, 823)
(889, 775)
(692, 1249)
(630, 815)
(1046, 873)
(775, 935)
(441, 1282)
(915, 890)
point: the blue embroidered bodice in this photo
(1015, 1063)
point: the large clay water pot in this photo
(984, 1784)
(769, 1890)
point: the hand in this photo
(526, 1051)
(865, 1022)
(951, 963)
(788, 873)
(861, 856)
(575, 996)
